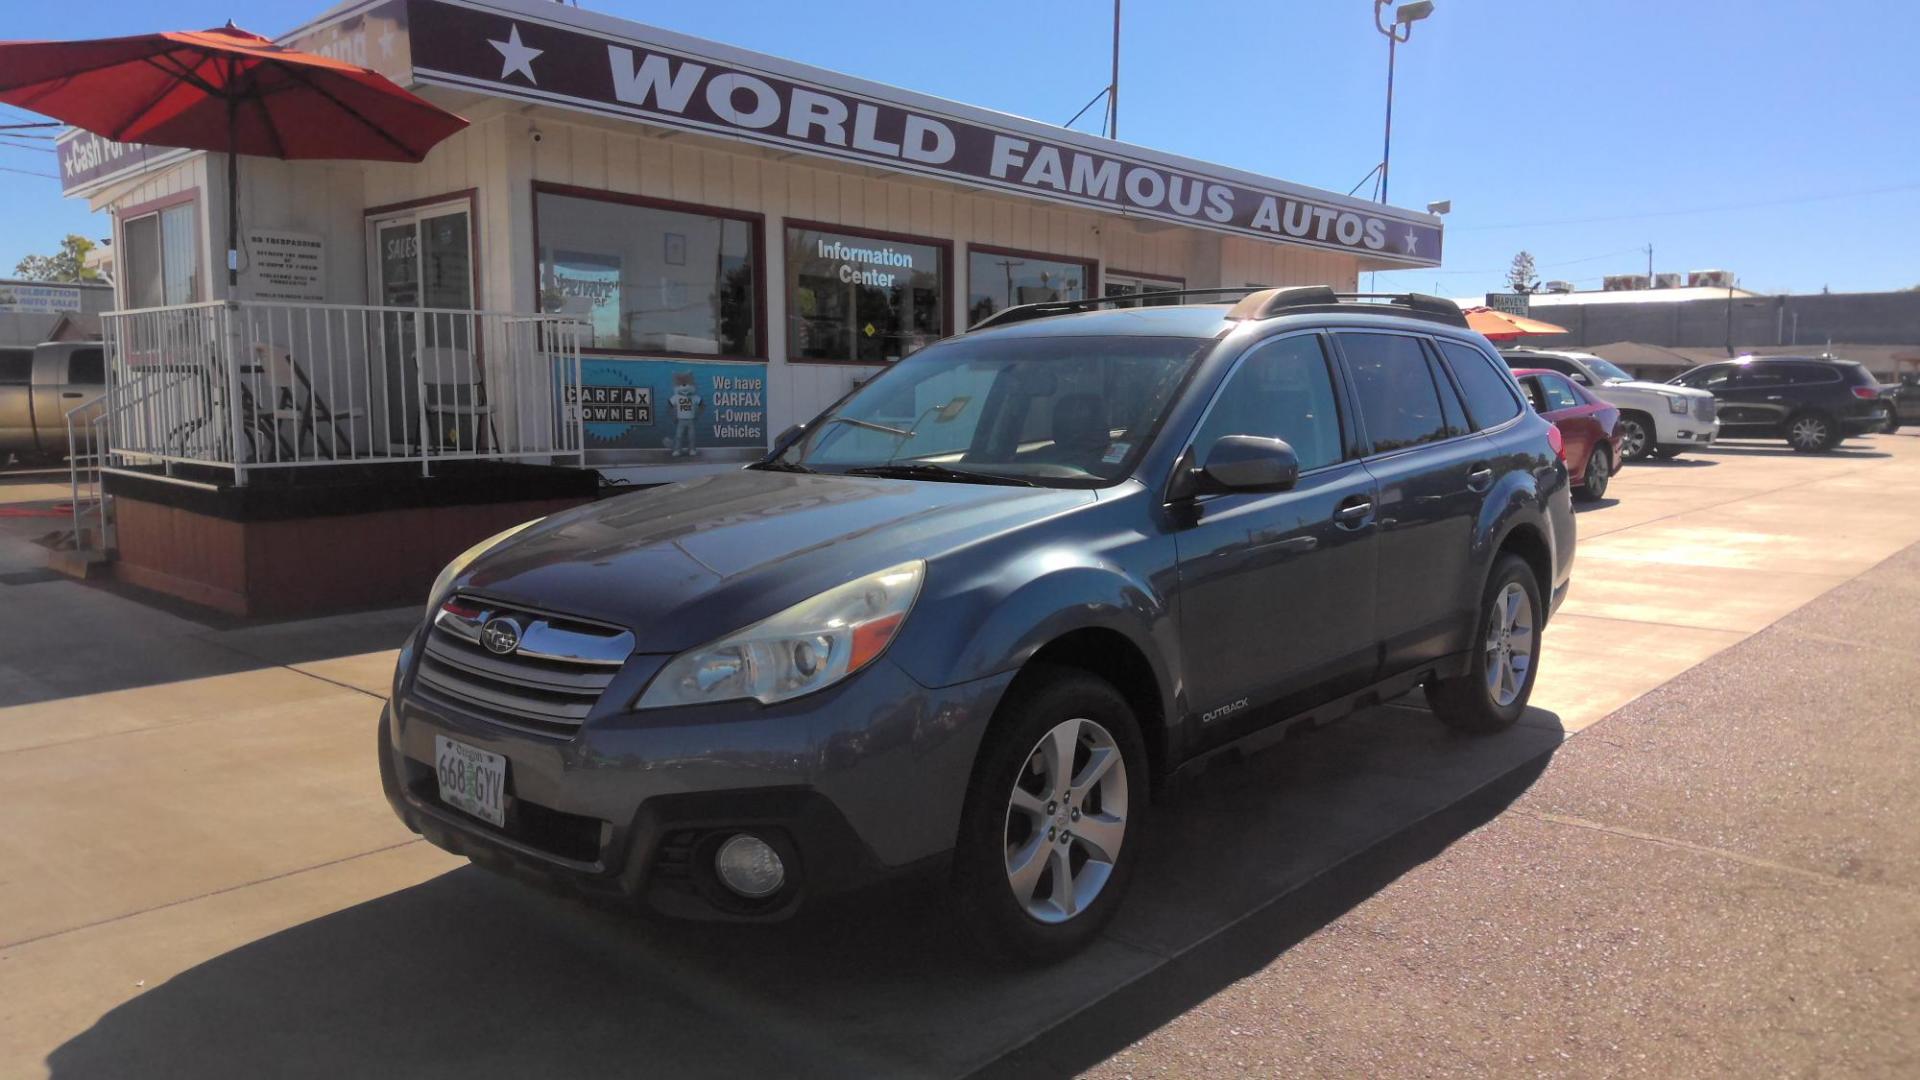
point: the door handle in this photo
(72, 393)
(1480, 479)
(1353, 514)
(1776, 397)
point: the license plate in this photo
(471, 779)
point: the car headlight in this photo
(1676, 404)
(466, 558)
(808, 647)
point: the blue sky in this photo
(1771, 137)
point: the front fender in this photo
(997, 622)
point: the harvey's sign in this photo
(598, 67)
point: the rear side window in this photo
(1558, 393)
(1811, 373)
(87, 367)
(16, 367)
(1394, 390)
(1282, 390)
(1707, 378)
(1489, 392)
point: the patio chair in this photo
(453, 388)
(274, 369)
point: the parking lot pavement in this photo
(202, 876)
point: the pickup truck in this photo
(38, 384)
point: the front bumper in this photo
(854, 783)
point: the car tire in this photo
(1506, 628)
(1018, 802)
(1812, 432)
(1599, 471)
(1636, 437)
(1893, 423)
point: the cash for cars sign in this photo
(470, 46)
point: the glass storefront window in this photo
(1143, 287)
(860, 297)
(1001, 279)
(161, 258)
(649, 279)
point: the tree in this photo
(69, 265)
(1520, 275)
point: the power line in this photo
(30, 172)
(8, 142)
(1723, 208)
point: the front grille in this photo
(1703, 408)
(547, 683)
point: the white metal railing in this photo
(86, 452)
(246, 385)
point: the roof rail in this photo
(1253, 302)
(1048, 308)
(1270, 303)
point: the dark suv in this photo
(1812, 402)
(973, 615)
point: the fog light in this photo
(749, 866)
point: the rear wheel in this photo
(1812, 433)
(1494, 691)
(1599, 472)
(1049, 834)
(1636, 437)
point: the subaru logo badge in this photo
(500, 636)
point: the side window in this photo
(1535, 396)
(1281, 390)
(1558, 394)
(1394, 390)
(87, 367)
(1708, 378)
(1764, 375)
(16, 367)
(1811, 374)
(1489, 395)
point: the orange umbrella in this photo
(1501, 326)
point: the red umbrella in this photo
(224, 90)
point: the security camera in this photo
(536, 135)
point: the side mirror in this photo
(1247, 463)
(1581, 379)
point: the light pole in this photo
(1400, 30)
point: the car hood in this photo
(1640, 386)
(686, 563)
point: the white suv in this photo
(1655, 418)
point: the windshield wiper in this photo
(925, 471)
(883, 429)
(781, 465)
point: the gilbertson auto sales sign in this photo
(523, 55)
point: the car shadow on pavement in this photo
(1846, 450)
(471, 975)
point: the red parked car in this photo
(1589, 427)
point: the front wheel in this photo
(1636, 438)
(1812, 433)
(1499, 680)
(1049, 834)
(1593, 485)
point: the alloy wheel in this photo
(1808, 433)
(1066, 820)
(1597, 475)
(1509, 644)
(1633, 440)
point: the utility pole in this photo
(1649, 264)
(1113, 87)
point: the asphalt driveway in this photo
(200, 875)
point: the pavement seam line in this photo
(1701, 849)
(206, 895)
(270, 662)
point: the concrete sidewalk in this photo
(201, 875)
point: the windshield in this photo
(1607, 371)
(1053, 411)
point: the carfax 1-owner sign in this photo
(522, 55)
(661, 410)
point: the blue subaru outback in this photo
(968, 620)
